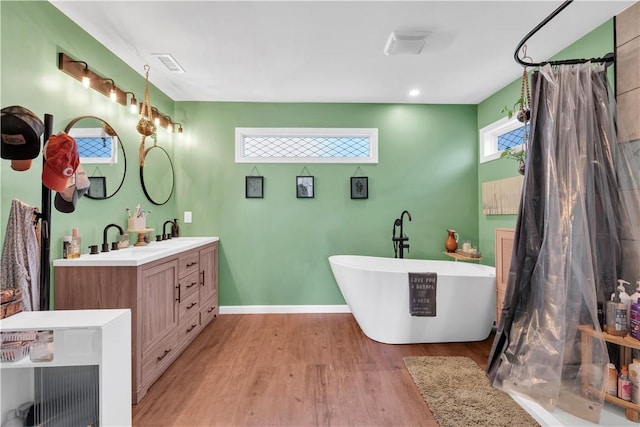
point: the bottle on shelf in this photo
(624, 384)
(616, 316)
(624, 297)
(634, 377)
(612, 380)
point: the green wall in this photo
(274, 250)
(595, 44)
(32, 34)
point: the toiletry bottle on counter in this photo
(624, 384)
(66, 241)
(616, 317)
(612, 380)
(74, 245)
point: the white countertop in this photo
(60, 319)
(136, 255)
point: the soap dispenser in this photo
(636, 294)
(624, 298)
(616, 316)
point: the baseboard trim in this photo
(279, 309)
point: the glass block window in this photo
(499, 136)
(306, 145)
(95, 146)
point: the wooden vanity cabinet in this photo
(171, 300)
(209, 308)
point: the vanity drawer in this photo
(189, 285)
(208, 310)
(188, 263)
(189, 328)
(187, 306)
(159, 357)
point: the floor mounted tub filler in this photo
(377, 292)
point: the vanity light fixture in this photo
(80, 71)
(156, 116)
(169, 125)
(86, 78)
(112, 92)
(133, 106)
(179, 127)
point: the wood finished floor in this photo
(293, 370)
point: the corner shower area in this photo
(577, 234)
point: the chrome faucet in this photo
(105, 244)
(400, 243)
(166, 235)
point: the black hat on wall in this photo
(21, 130)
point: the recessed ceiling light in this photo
(414, 92)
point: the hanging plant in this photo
(145, 126)
(523, 114)
(516, 154)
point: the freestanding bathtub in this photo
(377, 292)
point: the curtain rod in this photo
(607, 59)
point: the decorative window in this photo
(95, 145)
(306, 145)
(501, 135)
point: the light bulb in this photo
(113, 95)
(86, 80)
(134, 105)
(169, 127)
(156, 121)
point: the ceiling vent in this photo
(405, 42)
(169, 62)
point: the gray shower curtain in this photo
(576, 234)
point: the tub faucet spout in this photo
(400, 243)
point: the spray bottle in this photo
(616, 316)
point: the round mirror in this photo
(156, 175)
(101, 154)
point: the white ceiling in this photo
(332, 51)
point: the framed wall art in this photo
(305, 187)
(359, 187)
(254, 187)
(98, 187)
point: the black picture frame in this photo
(305, 187)
(98, 187)
(254, 187)
(359, 187)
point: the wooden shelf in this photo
(460, 257)
(627, 341)
(632, 410)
